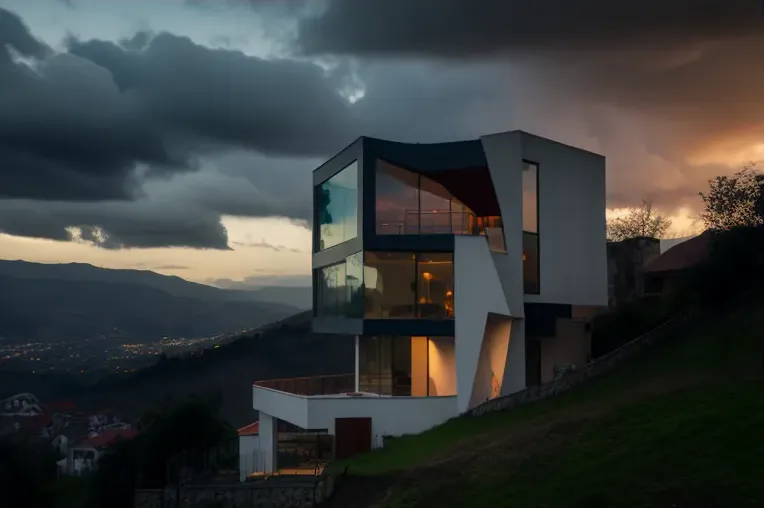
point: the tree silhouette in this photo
(640, 222)
(734, 201)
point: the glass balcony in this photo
(313, 385)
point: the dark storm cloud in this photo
(666, 89)
(116, 139)
(15, 34)
(115, 225)
(464, 28)
(76, 125)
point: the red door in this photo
(351, 437)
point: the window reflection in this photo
(434, 208)
(354, 284)
(531, 281)
(407, 366)
(339, 288)
(397, 200)
(337, 208)
(530, 197)
(408, 203)
(531, 261)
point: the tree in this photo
(735, 201)
(640, 222)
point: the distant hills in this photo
(51, 302)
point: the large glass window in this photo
(435, 285)
(408, 203)
(339, 288)
(337, 208)
(354, 284)
(434, 207)
(397, 200)
(531, 264)
(390, 282)
(407, 366)
(405, 285)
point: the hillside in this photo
(82, 272)
(289, 349)
(678, 427)
(40, 302)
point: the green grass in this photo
(682, 424)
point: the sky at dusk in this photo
(179, 135)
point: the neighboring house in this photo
(665, 271)
(83, 457)
(250, 459)
(21, 404)
(626, 261)
(465, 270)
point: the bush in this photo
(26, 468)
(735, 266)
(617, 327)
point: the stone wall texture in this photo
(598, 367)
(280, 492)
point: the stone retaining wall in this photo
(278, 492)
(599, 367)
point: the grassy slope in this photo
(681, 426)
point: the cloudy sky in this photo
(179, 135)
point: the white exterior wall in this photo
(391, 416)
(571, 201)
(442, 365)
(573, 247)
(478, 291)
(250, 458)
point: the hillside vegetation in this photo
(678, 427)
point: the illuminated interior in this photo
(407, 366)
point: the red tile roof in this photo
(34, 423)
(682, 256)
(108, 438)
(250, 430)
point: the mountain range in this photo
(53, 302)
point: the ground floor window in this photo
(417, 366)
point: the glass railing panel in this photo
(314, 385)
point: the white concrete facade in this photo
(488, 355)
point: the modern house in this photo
(465, 271)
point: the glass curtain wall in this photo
(407, 366)
(407, 285)
(339, 288)
(336, 208)
(408, 203)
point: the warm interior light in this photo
(449, 293)
(427, 275)
(524, 256)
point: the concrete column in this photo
(357, 364)
(269, 441)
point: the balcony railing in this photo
(432, 222)
(313, 385)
